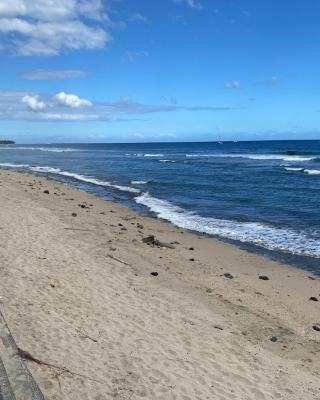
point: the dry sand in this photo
(77, 294)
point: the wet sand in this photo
(113, 313)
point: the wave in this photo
(139, 182)
(49, 149)
(153, 155)
(312, 171)
(167, 161)
(294, 158)
(304, 170)
(84, 178)
(292, 169)
(265, 236)
(9, 165)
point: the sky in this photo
(159, 70)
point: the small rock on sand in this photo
(263, 277)
(313, 298)
(227, 275)
(46, 191)
(74, 214)
(154, 273)
(274, 339)
(316, 327)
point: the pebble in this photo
(227, 275)
(316, 327)
(313, 298)
(74, 214)
(274, 339)
(263, 277)
(154, 273)
(46, 191)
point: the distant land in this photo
(7, 142)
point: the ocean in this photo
(263, 196)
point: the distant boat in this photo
(219, 141)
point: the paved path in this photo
(16, 382)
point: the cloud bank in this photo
(24, 106)
(53, 74)
(47, 28)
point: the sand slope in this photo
(78, 295)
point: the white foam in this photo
(312, 171)
(49, 149)
(153, 155)
(167, 161)
(292, 169)
(84, 178)
(139, 182)
(46, 169)
(266, 236)
(9, 165)
(258, 156)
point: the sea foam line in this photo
(10, 165)
(261, 157)
(49, 149)
(84, 178)
(262, 235)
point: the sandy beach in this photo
(114, 313)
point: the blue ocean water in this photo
(260, 194)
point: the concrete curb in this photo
(16, 381)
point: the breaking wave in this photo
(266, 236)
(84, 178)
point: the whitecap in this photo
(312, 171)
(292, 169)
(262, 157)
(139, 182)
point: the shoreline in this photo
(77, 293)
(306, 263)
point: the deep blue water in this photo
(265, 194)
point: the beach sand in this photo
(78, 294)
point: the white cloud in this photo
(34, 103)
(233, 85)
(52, 74)
(137, 17)
(24, 106)
(133, 55)
(191, 3)
(43, 27)
(68, 117)
(71, 100)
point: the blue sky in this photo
(150, 70)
